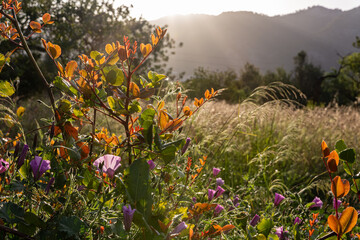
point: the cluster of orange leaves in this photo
(312, 223)
(340, 188)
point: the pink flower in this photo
(39, 167)
(179, 228)
(109, 164)
(4, 165)
(218, 209)
(255, 220)
(318, 203)
(211, 194)
(219, 181)
(278, 199)
(219, 191)
(151, 164)
(216, 171)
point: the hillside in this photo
(231, 39)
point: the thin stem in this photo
(32, 59)
(93, 133)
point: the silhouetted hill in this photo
(231, 39)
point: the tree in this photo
(82, 26)
(250, 77)
(307, 77)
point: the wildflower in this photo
(255, 220)
(186, 145)
(278, 199)
(318, 203)
(21, 158)
(151, 164)
(4, 165)
(194, 199)
(218, 209)
(236, 201)
(219, 191)
(179, 228)
(281, 233)
(47, 189)
(102, 229)
(109, 164)
(336, 203)
(128, 216)
(219, 182)
(297, 220)
(211, 194)
(39, 167)
(216, 171)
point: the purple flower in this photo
(281, 233)
(318, 203)
(109, 164)
(21, 158)
(336, 203)
(128, 216)
(151, 164)
(179, 228)
(297, 220)
(211, 194)
(216, 171)
(194, 199)
(278, 199)
(219, 182)
(186, 145)
(218, 209)
(4, 165)
(39, 167)
(219, 191)
(47, 189)
(236, 201)
(255, 220)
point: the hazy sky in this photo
(153, 9)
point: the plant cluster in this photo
(79, 180)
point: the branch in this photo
(15, 232)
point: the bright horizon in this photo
(154, 9)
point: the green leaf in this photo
(340, 146)
(64, 86)
(273, 237)
(348, 155)
(6, 89)
(96, 55)
(168, 153)
(265, 226)
(111, 102)
(71, 227)
(134, 107)
(33, 219)
(138, 186)
(2, 59)
(115, 77)
(348, 168)
(11, 212)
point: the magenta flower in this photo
(4, 165)
(128, 216)
(219, 191)
(194, 199)
(179, 228)
(255, 220)
(21, 158)
(109, 164)
(236, 201)
(218, 209)
(39, 167)
(318, 203)
(297, 220)
(278, 199)
(336, 203)
(151, 164)
(281, 233)
(211, 194)
(186, 145)
(216, 171)
(219, 182)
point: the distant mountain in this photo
(231, 39)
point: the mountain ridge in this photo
(231, 39)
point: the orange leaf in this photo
(145, 49)
(46, 18)
(348, 219)
(187, 111)
(207, 94)
(135, 89)
(35, 26)
(228, 227)
(160, 105)
(54, 50)
(154, 39)
(109, 49)
(332, 165)
(340, 188)
(70, 68)
(71, 131)
(335, 156)
(324, 149)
